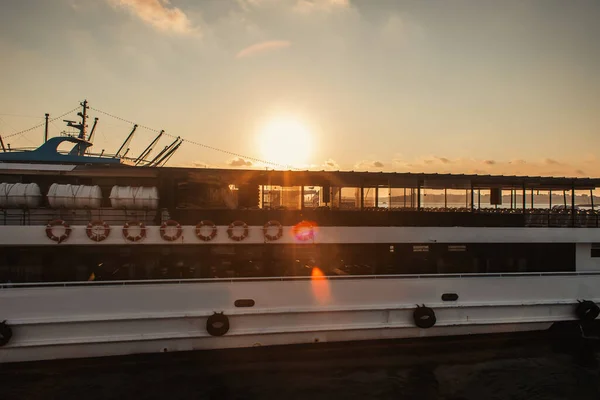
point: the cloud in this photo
(239, 162)
(263, 47)
(550, 161)
(158, 13)
(331, 165)
(366, 165)
(309, 6)
(542, 167)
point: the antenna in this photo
(148, 149)
(83, 115)
(78, 149)
(46, 129)
(126, 142)
(91, 137)
(163, 151)
(167, 156)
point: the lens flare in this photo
(320, 285)
(304, 230)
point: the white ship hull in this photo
(91, 319)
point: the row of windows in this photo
(181, 262)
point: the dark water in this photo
(523, 367)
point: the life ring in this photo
(167, 224)
(275, 224)
(97, 235)
(132, 238)
(304, 230)
(213, 232)
(424, 317)
(237, 224)
(5, 333)
(50, 230)
(217, 324)
(587, 311)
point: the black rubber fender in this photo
(217, 324)
(424, 317)
(587, 311)
(5, 333)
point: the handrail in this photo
(296, 278)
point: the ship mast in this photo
(78, 149)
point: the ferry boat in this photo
(99, 256)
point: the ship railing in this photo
(296, 278)
(42, 216)
(117, 217)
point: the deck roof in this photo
(319, 178)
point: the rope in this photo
(231, 153)
(39, 125)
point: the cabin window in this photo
(383, 197)
(350, 198)
(403, 198)
(313, 196)
(460, 247)
(595, 252)
(280, 197)
(369, 197)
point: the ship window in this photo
(461, 247)
(350, 198)
(420, 248)
(595, 253)
(312, 196)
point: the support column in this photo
(531, 199)
(472, 199)
(573, 213)
(445, 199)
(362, 197)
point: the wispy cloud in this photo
(263, 47)
(309, 6)
(331, 165)
(239, 162)
(544, 167)
(160, 14)
(366, 165)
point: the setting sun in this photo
(285, 140)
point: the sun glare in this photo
(286, 141)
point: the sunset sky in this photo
(503, 87)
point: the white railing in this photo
(294, 278)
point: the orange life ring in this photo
(132, 238)
(50, 230)
(276, 236)
(170, 223)
(213, 232)
(95, 235)
(304, 230)
(236, 224)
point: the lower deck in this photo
(87, 319)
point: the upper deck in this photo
(329, 198)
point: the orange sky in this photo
(474, 86)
